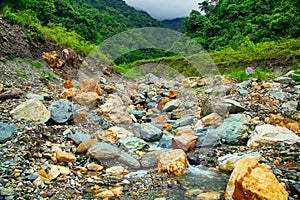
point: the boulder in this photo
(171, 105)
(234, 129)
(32, 109)
(150, 133)
(61, 110)
(251, 180)
(103, 150)
(79, 137)
(87, 99)
(172, 162)
(115, 110)
(186, 142)
(269, 135)
(132, 144)
(90, 85)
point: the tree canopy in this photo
(220, 23)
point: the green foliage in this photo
(237, 22)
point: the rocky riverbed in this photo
(101, 135)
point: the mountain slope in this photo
(94, 20)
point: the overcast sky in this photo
(165, 9)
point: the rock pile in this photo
(109, 137)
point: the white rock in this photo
(269, 135)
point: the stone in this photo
(85, 145)
(115, 170)
(214, 120)
(61, 110)
(160, 118)
(53, 173)
(120, 132)
(81, 118)
(183, 121)
(69, 93)
(35, 96)
(32, 109)
(1, 87)
(209, 195)
(150, 159)
(249, 71)
(184, 130)
(243, 92)
(90, 85)
(185, 142)
(165, 142)
(279, 95)
(79, 137)
(63, 156)
(291, 105)
(214, 105)
(295, 188)
(234, 129)
(172, 162)
(68, 84)
(256, 86)
(94, 167)
(137, 113)
(171, 105)
(251, 180)
(129, 161)
(207, 137)
(53, 59)
(7, 131)
(107, 136)
(132, 143)
(115, 110)
(103, 150)
(269, 135)
(150, 133)
(227, 162)
(283, 79)
(87, 99)
(278, 120)
(233, 106)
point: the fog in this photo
(165, 9)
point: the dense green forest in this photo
(175, 24)
(94, 20)
(234, 22)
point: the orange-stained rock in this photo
(53, 59)
(256, 86)
(172, 95)
(172, 162)
(185, 142)
(251, 180)
(69, 93)
(68, 84)
(278, 120)
(90, 85)
(63, 156)
(163, 102)
(107, 136)
(94, 167)
(87, 99)
(161, 118)
(85, 145)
